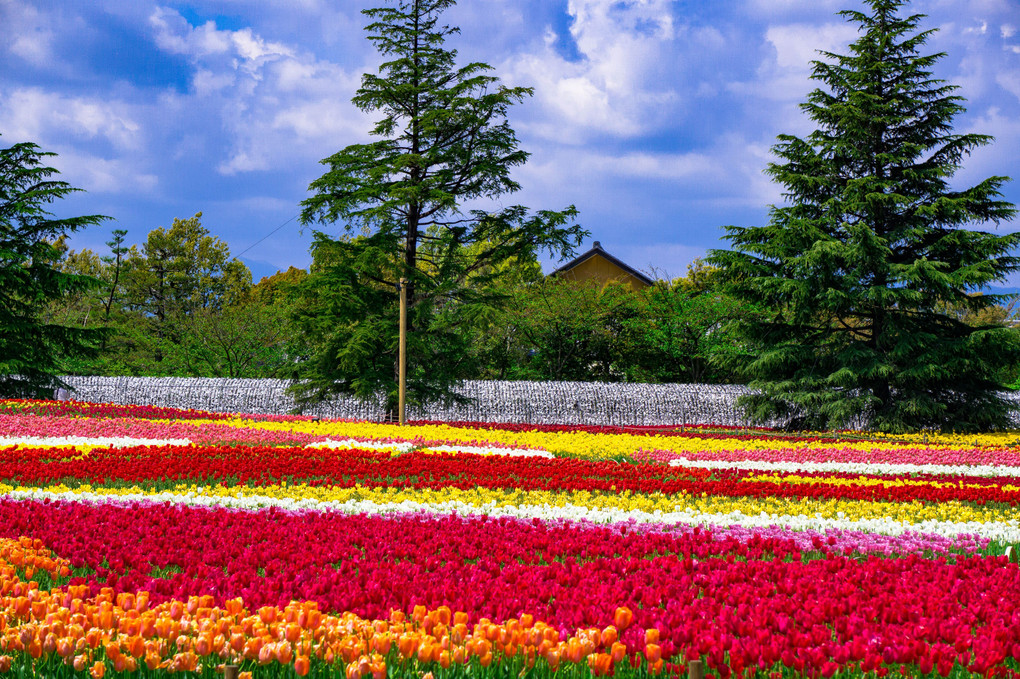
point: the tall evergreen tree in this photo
(443, 142)
(872, 246)
(32, 350)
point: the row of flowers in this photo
(49, 630)
(361, 464)
(608, 442)
(698, 594)
(292, 545)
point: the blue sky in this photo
(654, 117)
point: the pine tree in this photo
(32, 350)
(443, 142)
(872, 247)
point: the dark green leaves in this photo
(444, 144)
(872, 250)
(33, 350)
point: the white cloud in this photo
(103, 175)
(25, 33)
(1007, 31)
(617, 86)
(994, 159)
(35, 48)
(1010, 81)
(38, 115)
(278, 104)
(979, 29)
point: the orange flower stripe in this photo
(122, 631)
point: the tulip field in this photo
(144, 541)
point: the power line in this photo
(266, 236)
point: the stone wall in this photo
(491, 401)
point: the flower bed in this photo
(136, 540)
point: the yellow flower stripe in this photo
(589, 445)
(83, 448)
(910, 513)
(866, 481)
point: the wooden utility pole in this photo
(402, 360)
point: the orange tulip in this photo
(65, 647)
(622, 618)
(93, 637)
(609, 636)
(573, 650)
(653, 652)
(407, 644)
(203, 645)
(381, 643)
(652, 635)
(98, 670)
(600, 663)
(302, 664)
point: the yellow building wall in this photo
(602, 270)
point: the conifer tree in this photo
(411, 205)
(33, 350)
(871, 247)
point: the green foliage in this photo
(689, 332)
(33, 347)
(177, 305)
(556, 329)
(859, 267)
(443, 141)
(346, 329)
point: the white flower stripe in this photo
(351, 444)
(1008, 531)
(406, 446)
(851, 467)
(490, 450)
(98, 441)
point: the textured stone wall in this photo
(492, 401)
